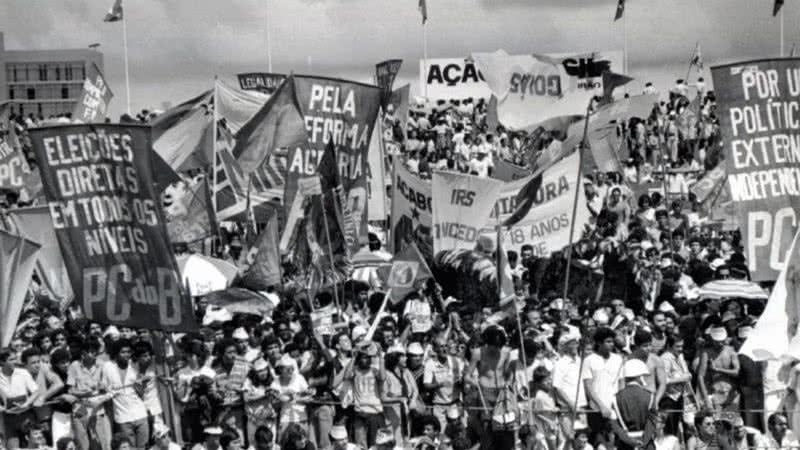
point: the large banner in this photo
(412, 211)
(345, 111)
(461, 207)
(757, 103)
(18, 256)
(546, 226)
(459, 78)
(533, 88)
(96, 96)
(260, 81)
(12, 167)
(100, 189)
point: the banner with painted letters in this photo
(96, 96)
(460, 78)
(461, 208)
(412, 211)
(346, 111)
(546, 226)
(100, 189)
(533, 88)
(260, 81)
(760, 127)
(13, 167)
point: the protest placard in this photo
(105, 210)
(758, 109)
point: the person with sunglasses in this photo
(707, 437)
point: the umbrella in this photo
(720, 289)
(204, 274)
(365, 267)
(241, 301)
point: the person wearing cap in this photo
(384, 440)
(340, 440)
(162, 438)
(718, 370)
(399, 391)
(243, 349)
(258, 400)
(211, 437)
(566, 371)
(601, 377)
(291, 388)
(366, 383)
(632, 405)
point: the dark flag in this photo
(423, 10)
(111, 228)
(620, 10)
(264, 259)
(776, 8)
(611, 81)
(115, 13)
(526, 198)
(385, 73)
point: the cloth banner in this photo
(378, 207)
(96, 96)
(13, 167)
(461, 207)
(385, 73)
(505, 171)
(260, 81)
(100, 189)
(237, 106)
(709, 183)
(412, 211)
(546, 225)
(264, 259)
(188, 214)
(756, 101)
(533, 88)
(34, 223)
(18, 258)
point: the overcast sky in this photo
(177, 46)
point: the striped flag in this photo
(423, 9)
(620, 10)
(115, 13)
(697, 58)
(776, 8)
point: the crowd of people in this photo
(630, 357)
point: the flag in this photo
(115, 13)
(34, 223)
(96, 95)
(505, 280)
(776, 8)
(189, 213)
(423, 9)
(341, 229)
(612, 81)
(17, 261)
(385, 73)
(407, 272)
(620, 10)
(697, 58)
(263, 258)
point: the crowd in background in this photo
(631, 357)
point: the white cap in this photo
(240, 334)
(111, 331)
(635, 368)
(718, 334)
(396, 348)
(338, 432)
(569, 336)
(600, 316)
(287, 361)
(215, 431)
(260, 364)
(666, 307)
(453, 412)
(358, 332)
(415, 348)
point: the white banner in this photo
(534, 88)
(412, 211)
(459, 78)
(546, 226)
(461, 208)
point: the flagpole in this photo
(424, 59)
(691, 62)
(127, 73)
(782, 9)
(578, 187)
(269, 41)
(214, 134)
(330, 248)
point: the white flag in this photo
(461, 207)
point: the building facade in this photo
(44, 83)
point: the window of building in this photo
(31, 93)
(11, 93)
(64, 91)
(42, 72)
(68, 72)
(58, 73)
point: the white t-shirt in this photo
(19, 384)
(480, 167)
(293, 412)
(605, 375)
(128, 406)
(567, 379)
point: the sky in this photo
(177, 47)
